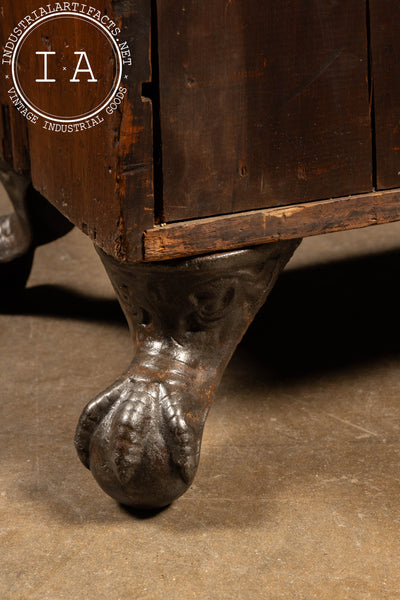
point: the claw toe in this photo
(127, 440)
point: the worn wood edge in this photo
(229, 232)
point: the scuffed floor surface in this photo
(298, 491)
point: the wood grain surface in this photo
(101, 178)
(385, 63)
(234, 111)
(270, 225)
(262, 103)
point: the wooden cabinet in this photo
(232, 108)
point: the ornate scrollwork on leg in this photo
(141, 438)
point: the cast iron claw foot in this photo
(33, 222)
(16, 255)
(141, 438)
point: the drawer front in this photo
(262, 103)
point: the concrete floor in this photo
(297, 493)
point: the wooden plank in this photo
(262, 103)
(100, 178)
(228, 232)
(134, 147)
(14, 129)
(385, 66)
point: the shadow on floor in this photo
(61, 302)
(318, 318)
(327, 317)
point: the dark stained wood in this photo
(262, 103)
(14, 147)
(19, 141)
(102, 178)
(270, 225)
(385, 52)
(135, 173)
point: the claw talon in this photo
(127, 436)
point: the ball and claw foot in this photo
(141, 438)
